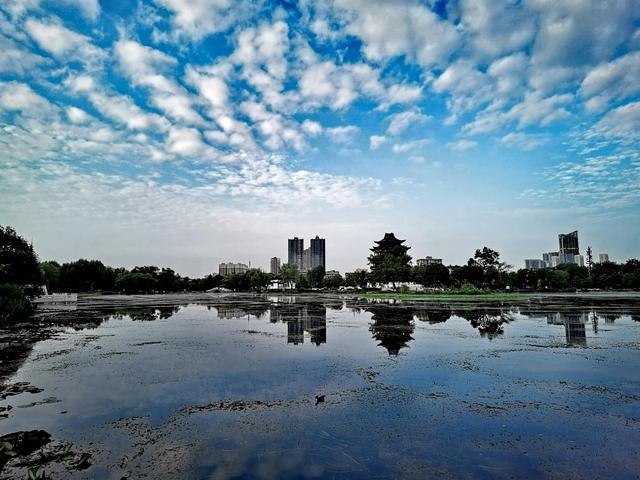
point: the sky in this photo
(184, 133)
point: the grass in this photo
(448, 296)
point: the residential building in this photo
(569, 247)
(275, 266)
(306, 260)
(579, 260)
(332, 273)
(295, 252)
(548, 258)
(318, 258)
(603, 257)
(231, 268)
(534, 263)
(426, 261)
(555, 261)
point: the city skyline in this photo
(190, 133)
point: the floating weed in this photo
(35, 473)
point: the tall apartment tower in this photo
(296, 252)
(275, 266)
(603, 257)
(318, 258)
(568, 246)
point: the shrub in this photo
(14, 304)
(468, 289)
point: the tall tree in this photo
(290, 274)
(389, 260)
(18, 261)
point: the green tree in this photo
(51, 275)
(14, 304)
(18, 261)
(431, 275)
(389, 260)
(315, 276)
(238, 282)
(333, 281)
(290, 274)
(258, 280)
(84, 276)
(359, 278)
(135, 282)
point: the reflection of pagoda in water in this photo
(574, 326)
(301, 318)
(391, 327)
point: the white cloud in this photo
(462, 145)
(376, 141)
(621, 124)
(199, 18)
(523, 141)
(145, 66)
(77, 115)
(20, 97)
(89, 8)
(496, 27)
(262, 54)
(185, 141)
(611, 81)
(342, 134)
(390, 29)
(16, 60)
(312, 128)
(399, 122)
(410, 146)
(274, 128)
(55, 38)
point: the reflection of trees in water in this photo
(392, 327)
(488, 322)
(145, 314)
(433, 315)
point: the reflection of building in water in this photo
(301, 318)
(392, 327)
(227, 312)
(231, 311)
(574, 326)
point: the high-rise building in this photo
(603, 257)
(569, 247)
(550, 258)
(534, 263)
(318, 258)
(426, 261)
(296, 252)
(231, 268)
(306, 260)
(275, 266)
(578, 260)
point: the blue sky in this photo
(186, 133)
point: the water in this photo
(313, 387)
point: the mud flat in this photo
(323, 386)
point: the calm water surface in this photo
(311, 387)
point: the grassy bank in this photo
(448, 296)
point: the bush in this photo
(14, 304)
(468, 289)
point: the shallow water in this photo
(313, 387)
